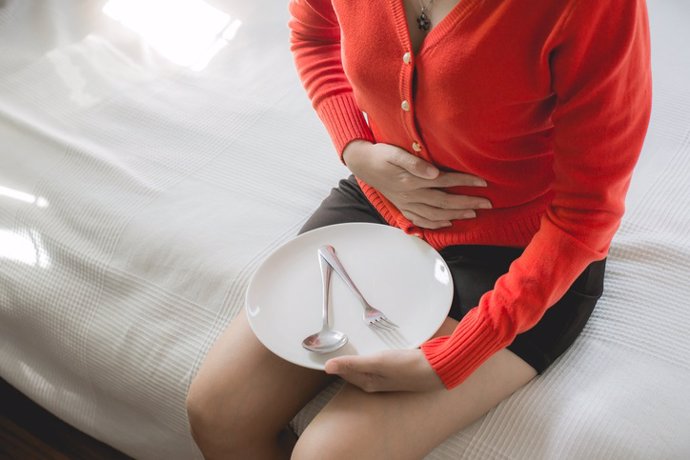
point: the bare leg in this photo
(408, 425)
(243, 397)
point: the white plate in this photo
(397, 273)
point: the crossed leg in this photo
(408, 425)
(244, 396)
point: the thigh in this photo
(562, 323)
(244, 381)
(346, 203)
(408, 425)
(475, 270)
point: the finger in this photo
(456, 179)
(414, 165)
(423, 222)
(444, 200)
(357, 371)
(351, 364)
(439, 215)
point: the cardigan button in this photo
(405, 105)
(407, 57)
(416, 147)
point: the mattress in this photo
(140, 189)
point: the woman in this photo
(504, 135)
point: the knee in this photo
(212, 420)
(319, 438)
(202, 414)
(310, 446)
(223, 423)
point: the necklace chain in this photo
(423, 21)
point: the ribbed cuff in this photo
(456, 356)
(344, 121)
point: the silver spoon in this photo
(327, 339)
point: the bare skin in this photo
(408, 425)
(244, 396)
(393, 404)
(413, 185)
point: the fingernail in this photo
(330, 368)
(479, 183)
(431, 172)
(485, 205)
(469, 215)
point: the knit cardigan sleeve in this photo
(601, 77)
(600, 73)
(315, 44)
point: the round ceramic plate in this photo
(397, 273)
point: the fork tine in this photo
(388, 322)
(372, 316)
(377, 325)
(382, 323)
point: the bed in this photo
(139, 191)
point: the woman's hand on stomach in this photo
(414, 185)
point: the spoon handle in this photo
(326, 271)
(328, 252)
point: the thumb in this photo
(338, 365)
(347, 364)
(415, 165)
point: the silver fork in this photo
(372, 316)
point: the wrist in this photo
(353, 151)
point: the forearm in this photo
(315, 44)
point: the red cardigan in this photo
(549, 102)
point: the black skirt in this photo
(475, 269)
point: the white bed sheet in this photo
(137, 197)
